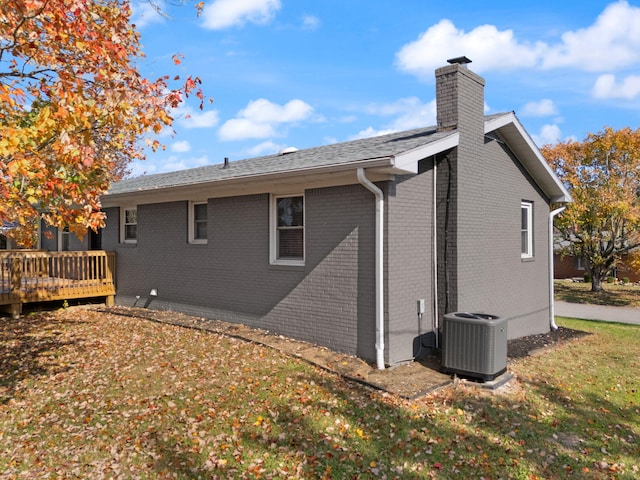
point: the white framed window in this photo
(198, 222)
(129, 225)
(526, 229)
(64, 239)
(287, 229)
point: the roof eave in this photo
(523, 146)
(407, 162)
(252, 183)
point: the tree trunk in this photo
(596, 283)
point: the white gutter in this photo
(552, 313)
(365, 182)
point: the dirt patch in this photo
(409, 380)
(537, 344)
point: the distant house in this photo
(360, 246)
(569, 266)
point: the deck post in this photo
(16, 276)
(109, 301)
(15, 309)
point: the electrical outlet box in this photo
(421, 306)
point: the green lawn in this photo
(614, 295)
(85, 394)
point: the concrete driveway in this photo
(598, 312)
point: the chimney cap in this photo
(460, 60)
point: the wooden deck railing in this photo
(37, 276)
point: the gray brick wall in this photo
(328, 301)
(492, 276)
(111, 232)
(51, 244)
(409, 264)
(49, 237)
(333, 304)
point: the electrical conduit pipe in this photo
(365, 182)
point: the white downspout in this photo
(552, 313)
(365, 182)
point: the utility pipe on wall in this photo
(436, 319)
(552, 313)
(365, 182)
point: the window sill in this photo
(286, 266)
(527, 259)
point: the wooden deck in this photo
(28, 276)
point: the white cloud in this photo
(143, 13)
(241, 128)
(261, 117)
(263, 110)
(549, 134)
(371, 132)
(141, 167)
(485, 45)
(264, 148)
(309, 22)
(414, 114)
(181, 146)
(171, 163)
(542, 108)
(190, 118)
(174, 163)
(613, 41)
(348, 119)
(409, 113)
(229, 13)
(606, 87)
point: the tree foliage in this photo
(602, 173)
(73, 108)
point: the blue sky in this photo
(305, 73)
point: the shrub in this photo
(611, 279)
(625, 280)
(587, 278)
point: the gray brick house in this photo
(340, 245)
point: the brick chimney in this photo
(460, 99)
(460, 108)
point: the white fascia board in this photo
(532, 159)
(407, 162)
(501, 121)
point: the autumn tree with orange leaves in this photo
(602, 172)
(73, 108)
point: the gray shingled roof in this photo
(384, 146)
